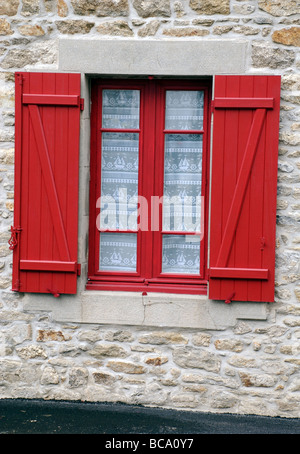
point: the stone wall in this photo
(251, 367)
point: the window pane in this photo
(181, 254)
(119, 180)
(121, 109)
(118, 251)
(184, 110)
(182, 182)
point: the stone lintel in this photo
(153, 57)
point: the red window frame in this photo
(151, 172)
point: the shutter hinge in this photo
(212, 105)
(13, 241)
(78, 269)
(16, 286)
(229, 298)
(81, 103)
(55, 293)
(20, 78)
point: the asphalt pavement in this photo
(18, 416)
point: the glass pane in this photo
(121, 109)
(181, 254)
(184, 110)
(119, 180)
(118, 251)
(182, 182)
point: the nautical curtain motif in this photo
(184, 110)
(118, 251)
(120, 109)
(181, 254)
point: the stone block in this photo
(104, 378)
(41, 52)
(151, 8)
(111, 350)
(31, 30)
(31, 351)
(244, 9)
(30, 7)
(258, 380)
(201, 339)
(287, 36)
(101, 8)
(229, 344)
(78, 376)
(50, 335)
(149, 29)
(157, 361)
(115, 28)
(62, 8)
(210, 6)
(280, 8)
(49, 376)
(185, 32)
(9, 7)
(126, 367)
(119, 336)
(71, 27)
(5, 28)
(161, 337)
(223, 400)
(188, 357)
(264, 55)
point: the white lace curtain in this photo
(182, 179)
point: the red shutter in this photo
(244, 187)
(44, 236)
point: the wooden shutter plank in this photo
(48, 243)
(23, 192)
(47, 265)
(35, 196)
(243, 103)
(72, 167)
(49, 182)
(270, 186)
(17, 182)
(239, 273)
(54, 133)
(231, 154)
(255, 219)
(218, 166)
(56, 100)
(241, 254)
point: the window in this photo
(149, 163)
(150, 228)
